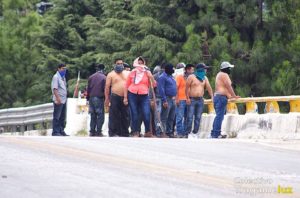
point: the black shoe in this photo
(171, 135)
(222, 136)
(99, 135)
(56, 134)
(64, 134)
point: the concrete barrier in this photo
(250, 125)
(254, 126)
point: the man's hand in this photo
(106, 102)
(58, 101)
(188, 101)
(165, 105)
(177, 102)
(234, 97)
(125, 101)
(152, 104)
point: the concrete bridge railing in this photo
(271, 124)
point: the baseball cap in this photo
(226, 64)
(201, 66)
(126, 65)
(180, 65)
(156, 69)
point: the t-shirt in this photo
(181, 83)
(60, 84)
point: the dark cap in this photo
(60, 65)
(126, 65)
(201, 66)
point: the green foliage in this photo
(262, 43)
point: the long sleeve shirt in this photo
(96, 85)
(166, 86)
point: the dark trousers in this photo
(96, 109)
(118, 117)
(59, 117)
(167, 116)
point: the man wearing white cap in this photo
(223, 92)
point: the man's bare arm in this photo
(209, 89)
(188, 89)
(227, 83)
(107, 89)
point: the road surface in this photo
(128, 167)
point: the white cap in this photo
(226, 65)
(180, 65)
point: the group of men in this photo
(176, 98)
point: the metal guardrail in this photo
(26, 118)
(251, 106)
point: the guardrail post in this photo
(272, 107)
(251, 107)
(295, 106)
(211, 109)
(232, 108)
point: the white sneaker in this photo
(193, 136)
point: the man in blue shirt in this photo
(167, 91)
(59, 97)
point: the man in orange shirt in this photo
(181, 110)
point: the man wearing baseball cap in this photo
(195, 87)
(223, 92)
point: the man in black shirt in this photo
(95, 96)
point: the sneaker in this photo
(193, 136)
(222, 136)
(180, 136)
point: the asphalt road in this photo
(128, 167)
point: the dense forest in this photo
(260, 37)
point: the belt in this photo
(217, 94)
(196, 98)
(113, 94)
(101, 97)
(171, 97)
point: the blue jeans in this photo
(167, 116)
(157, 117)
(59, 117)
(96, 109)
(181, 118)
(194, 110)
(220, 103)
(136, 103)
